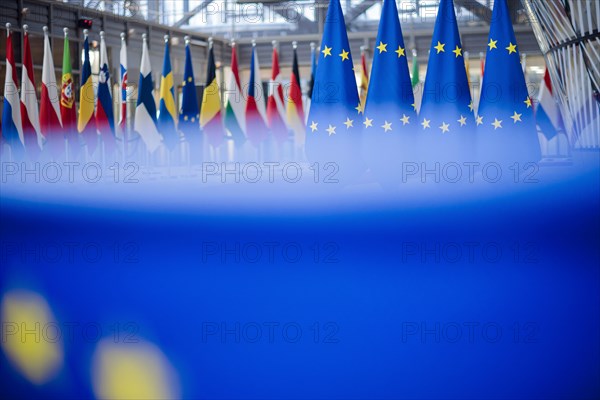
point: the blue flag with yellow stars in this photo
(389, 118)
(167, 111)
(334, 122)
(446, 119)
(505, 121)
(189, 116)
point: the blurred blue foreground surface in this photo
(233, 293)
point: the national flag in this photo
(86, 100)
(468, 69)
(210, 113)
(123, 62)
(313, 69)
(30, 115)
(256, 113)
(364, 77)
(295, 109)
(334, 124)
(416, 76)
(145, 110)
(482, 62)
(547, 112)
(275, 107)
(311, 81)
(235, 109)
(12, 126)
(50, 122)
(167, 114)
(506, 124)
(105, 120)
(390, 119)
(415, 82)
(446, 119)
(68, 113)
(189, 115)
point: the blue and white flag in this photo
(145, 111)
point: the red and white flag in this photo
(547, 113)
(30, 116)
(50, 122)
(12, 130)
(275, 108)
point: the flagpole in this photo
(87, 146)
(186, 150)
(8, 25)
(123, 121)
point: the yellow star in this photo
(189, 78)
(183, 83)
(497, 124)
(185, 117)
(387, 126)
(405, 119)
(193, 119)
(445, 127)
(440, 47)
(517, 117)
(528, 102)
(471, 106)
(492, 44)
(349, 123)
(360, 108)
(462, 121)
(479, 120)
(326, 52)
(512, 48)
(344, 55)
(426, 123)
(414, 106)
(458, 51)
(368, 122)
(382, 47)
(400, 52)
(313, 126)
(331, 130)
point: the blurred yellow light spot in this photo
(132, 371)
(31, 338)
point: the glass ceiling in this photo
(295, 16)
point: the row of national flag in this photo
(59, 128)
(56, 125)
(378, 123)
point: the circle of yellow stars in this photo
(426, 123)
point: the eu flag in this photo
(333, 125)
(446, 120)
(506, 124)
(167, 111)
(389, 116)
(189, 117)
